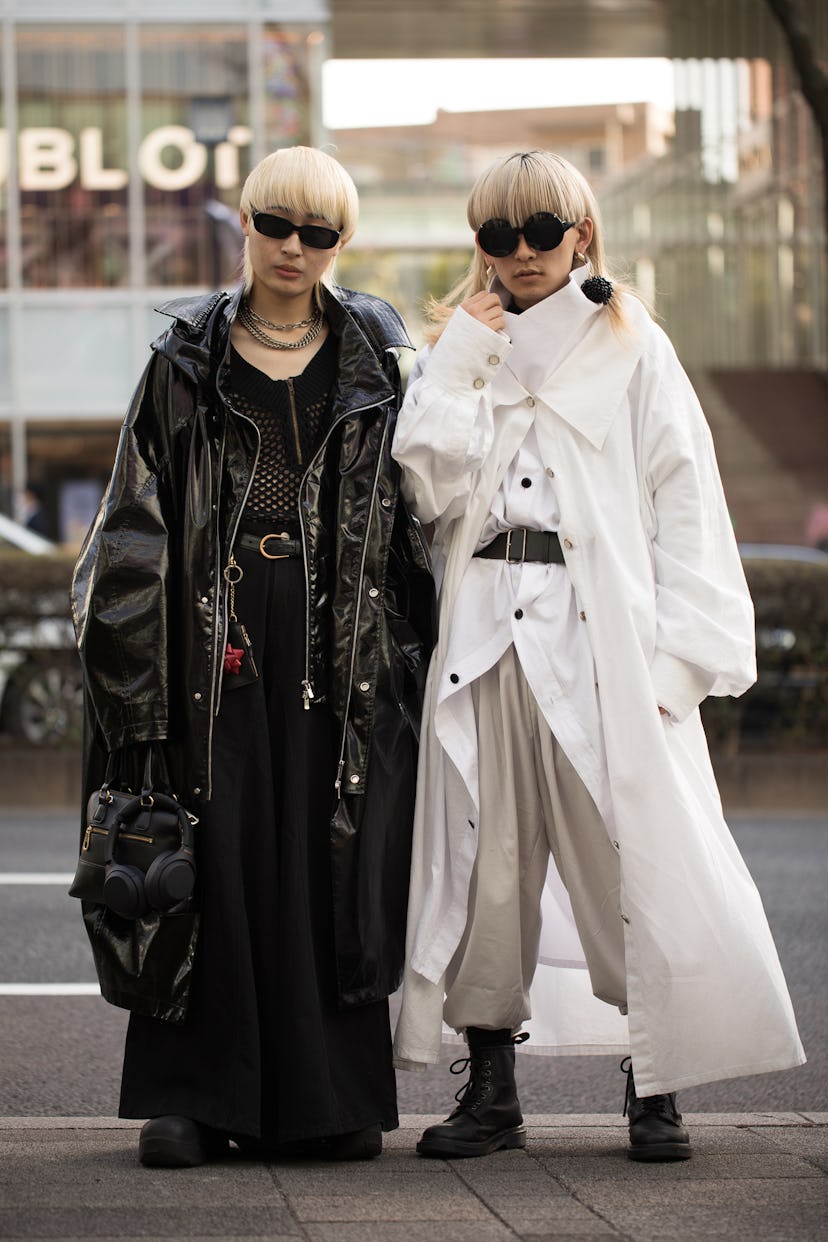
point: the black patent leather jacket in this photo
(150, 601)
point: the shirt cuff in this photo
(468, 354)
(679, 685)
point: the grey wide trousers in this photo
(532, 801)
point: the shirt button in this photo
(616, 845)
(525, 482)
(197, 790)
(453, 677)
(530, 401)
(479, 383)
(197, 696)
(354, 779)
(567, 543)
(582, 615)
(373, 593)
(550, 472)
(204, 599)
(518, 613)
(624, 918)
(365, 685)
(493, 360)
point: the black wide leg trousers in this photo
(265, 1050)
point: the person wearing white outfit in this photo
(572, 870)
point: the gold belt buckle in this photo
(273, 556)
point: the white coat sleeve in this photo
(705, 638)
(445, 426)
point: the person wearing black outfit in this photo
(255, 598)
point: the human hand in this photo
(487, 309)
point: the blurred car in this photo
(41, 685)
(789, 702)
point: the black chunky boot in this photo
(656, 1130)
(488, 1116)
(179, 1143)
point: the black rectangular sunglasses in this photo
(315, 235)
(543, 231)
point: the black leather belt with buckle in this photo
(275, 546)
(519, 544)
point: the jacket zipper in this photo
(307, 688)
(341, 764)
(215, 694)
(294, 419)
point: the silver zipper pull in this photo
(307, 694)
(338, 781)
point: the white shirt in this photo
(534, 605)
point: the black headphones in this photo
(170, 877)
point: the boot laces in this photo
(473, 1092)
(657, 1105)
(478, 1088)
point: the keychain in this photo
(239, 665)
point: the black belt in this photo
(520, 545)
(273, 546)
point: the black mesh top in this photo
(292, 416)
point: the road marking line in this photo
(49, 989)
(36, 877)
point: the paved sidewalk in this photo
(754, 1176)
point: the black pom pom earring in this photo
(597, 289)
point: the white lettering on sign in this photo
(49, 160)
(93, 175)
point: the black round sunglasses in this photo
(315, 235)
(543, 231)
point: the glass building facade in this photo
(125, 137)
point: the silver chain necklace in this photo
(279, 327)
(249, 323)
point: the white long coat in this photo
(652, 557)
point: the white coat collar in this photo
(566, 353)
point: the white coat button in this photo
(493, 360)
(530, 401)
(525, 482)
(479, 383)
(518, 613)
(354, 779)
(568, 543)
(373, 593)
(365, 685)
(454, 678)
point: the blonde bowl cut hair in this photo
(303, 181)
(513, 188)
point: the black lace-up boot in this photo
(656, 1130)
(488, 1116)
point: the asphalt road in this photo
(60, 1054)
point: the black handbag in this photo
(137, 854)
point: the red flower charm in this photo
(233, 659)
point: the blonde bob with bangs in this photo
(513, 188)
(303, 181)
